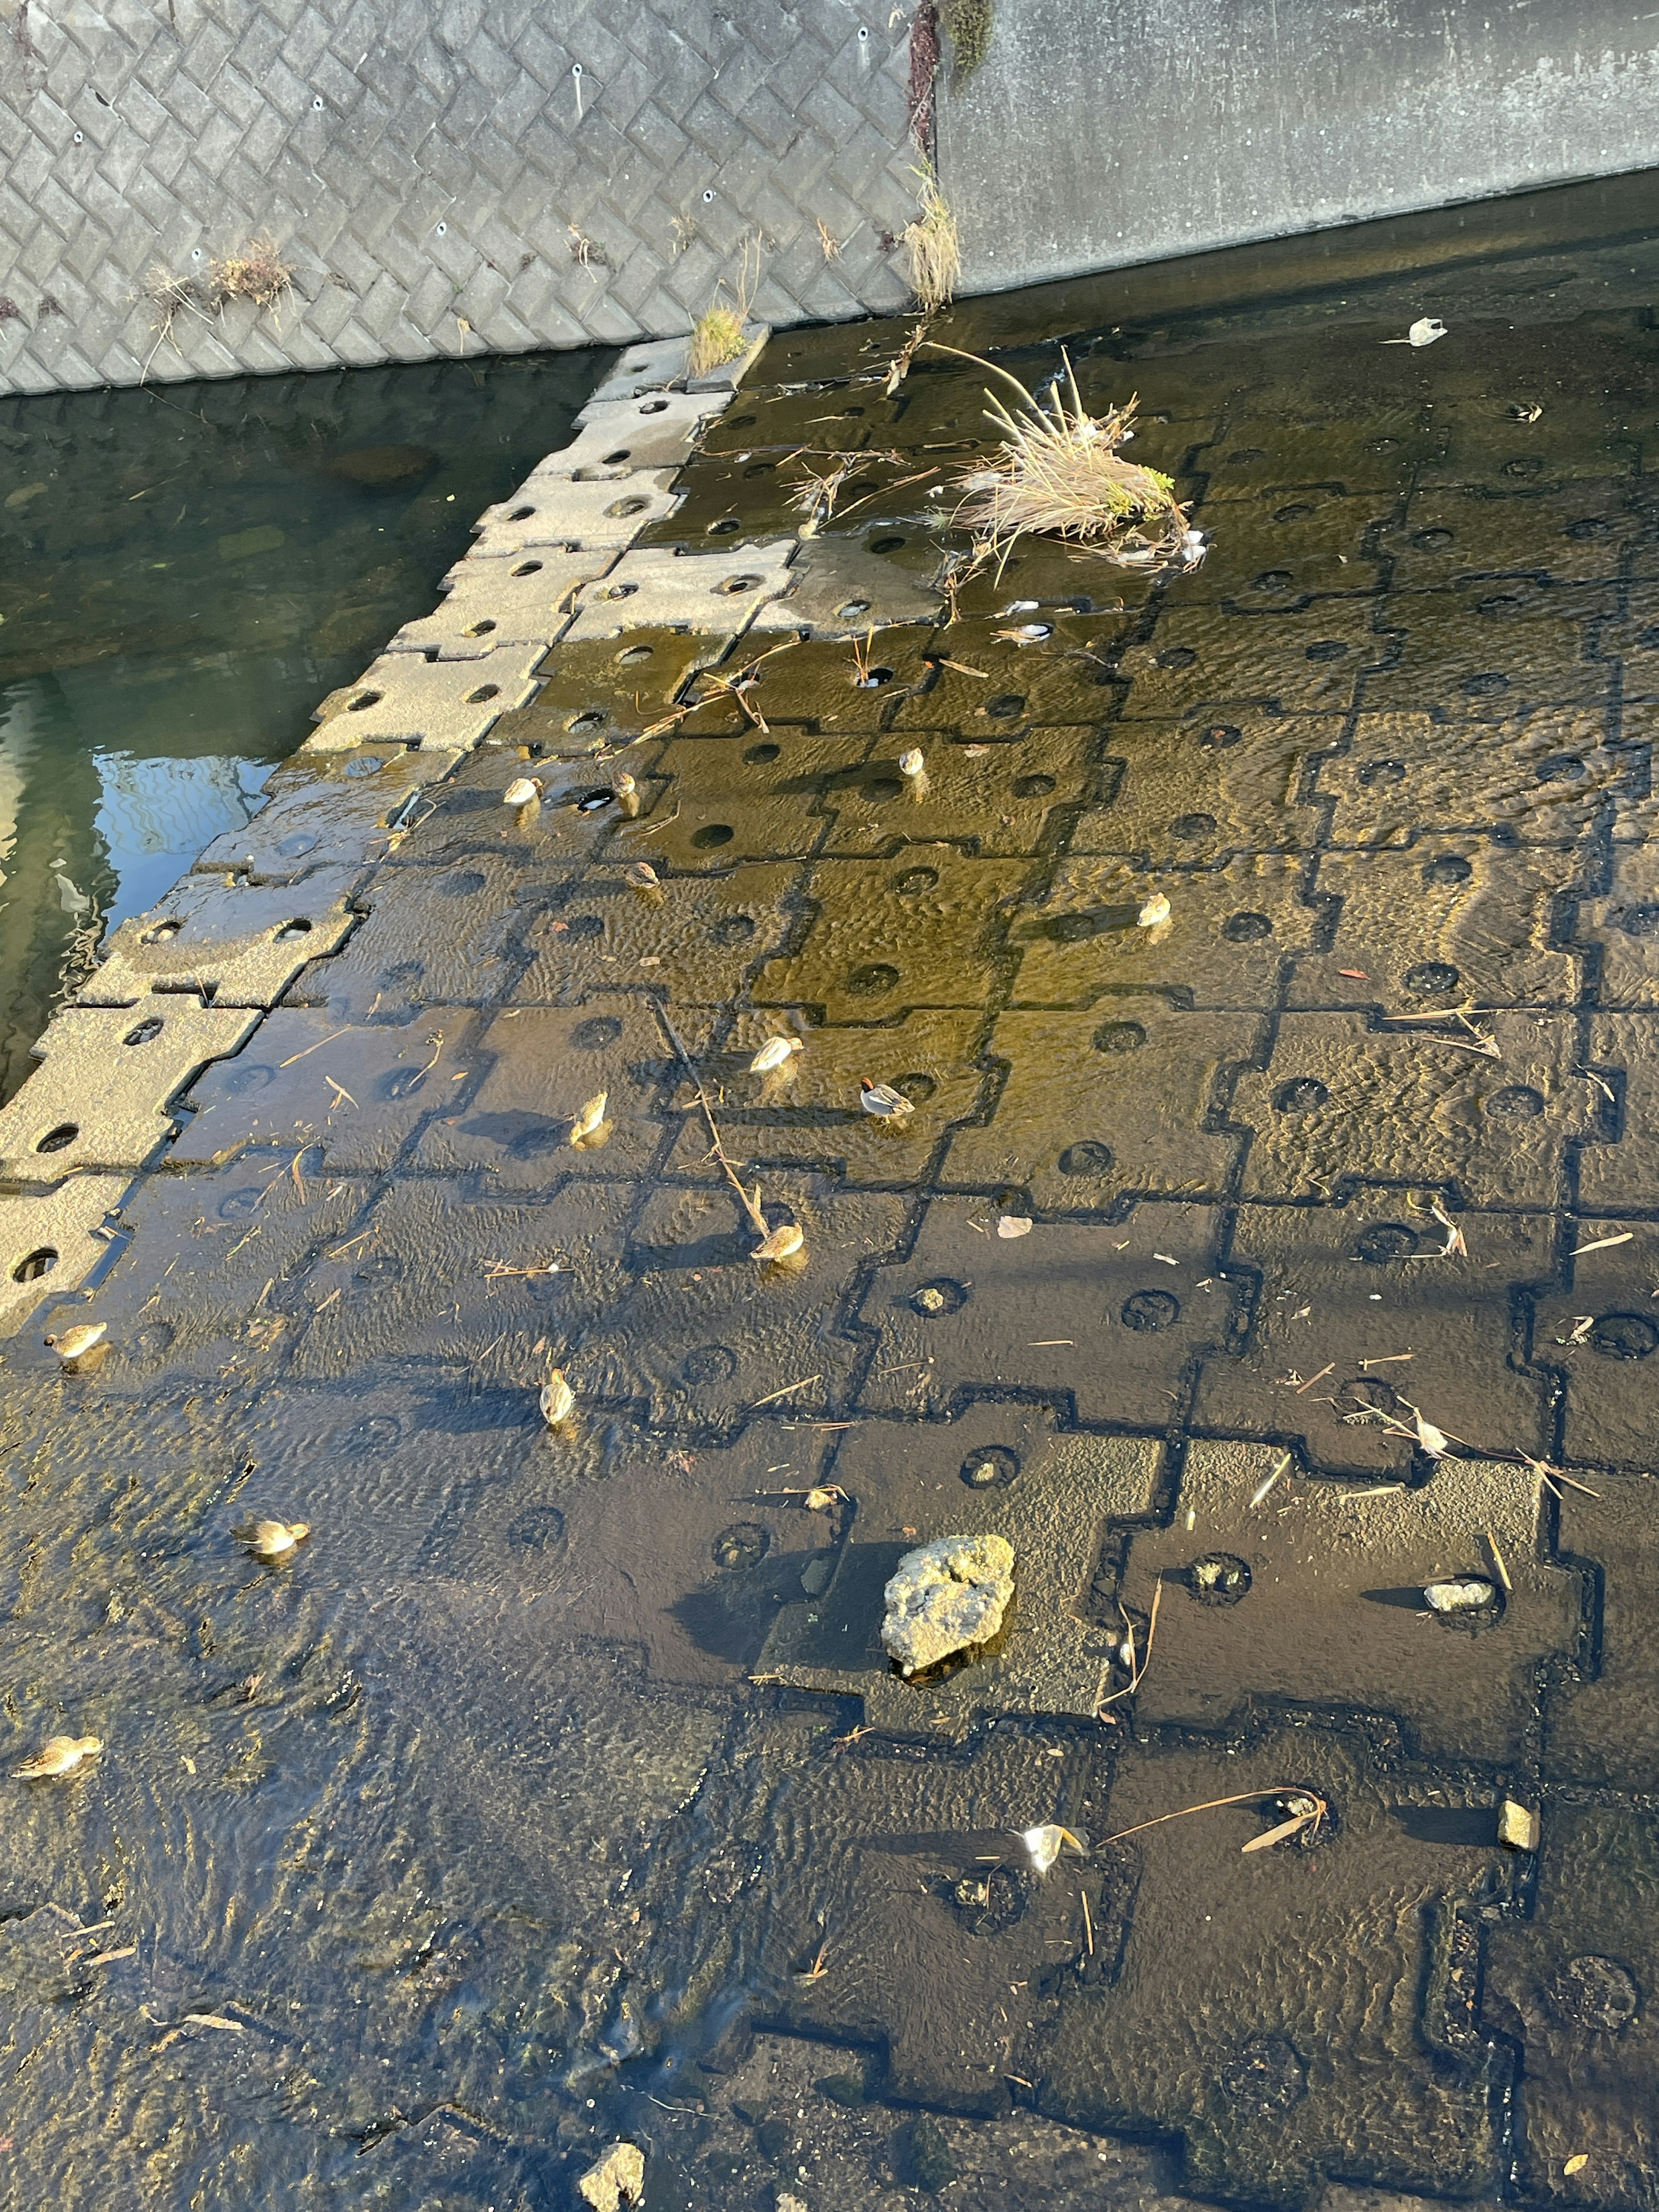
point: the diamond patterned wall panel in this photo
(445, 177)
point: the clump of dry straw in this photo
(721, 335)
(932, 246)
(259, 273)
(1059, 472)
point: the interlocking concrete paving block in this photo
(1330, 1610)
(50, 1243)
(1003, 800)
(841, 586)
(1193, 791)
(698, 1602)
(925, 929)
(438, 1277)
(1599, 1333)
(542, 1065)
(1097, 1106)
(1575, 535)
(1222, 2040)
(1447, 655)
(109, 1076)
(705, 1333)
(1228, 935)
(525, 599)
(808, 418)
(197, 1291)
(1282, 545)
(1340, 1102)
(1545, 778)
(1357, 1318)
(1052, 1495)
(438, 705)
(1257, 454)
(1202, 660)
(697, 939)
(1483, 447)
(809, 1115)
(1042, 578)
(716, 592)
(305, 1081)
(1601, 1723)
(894, 1849)
(332, 810)
(836, 689)
(758, 797)
(576, 815)
(237, 945)
(619, 437)
(1451, 921)
(1569, 1984)
(987, 684)
(548, 510)
(652, 364)
(1624, 1176)
(1122, 1312)
(432, 936)
(1622, 926)
(599, 698)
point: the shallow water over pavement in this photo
(557, 1789)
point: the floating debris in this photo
(1469, 1594)
(640, 876)
(786, 1241)
(1155, 913)
(913, 767)
(1527, 410)
(557, 1399)
(77, 1344)
(59, 1755)
(1013, 1224)
(589, 1128)
(616, 2180)
(945, 1597)
(626, 792)
(776, 1053)
(523, 791)
(1422, 332)
(1046, 1842)
(272, 1539)
(1518, 1827)
(1302, 1813)
(883, 1101)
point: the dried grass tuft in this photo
(932, 248)
(257, 273)
(1059, 473)
(720, 336)
(716, 338)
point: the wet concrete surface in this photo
(1250, 1272)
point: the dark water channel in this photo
(186, 572)
(558, 1789)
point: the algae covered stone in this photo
(945, 1597)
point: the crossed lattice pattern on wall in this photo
(443, 178)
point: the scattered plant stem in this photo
(1244, 1797)
(750, 1206)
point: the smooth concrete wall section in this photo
(445, 175)
(1101, 132)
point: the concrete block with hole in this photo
(445, 705)
(664, 364)
(330, 810)
(683, 590)
(843, 587)
(656, 430)
(550, 509)
(50, 1244)
(524, 599)
(102, 1095)
(237, 945)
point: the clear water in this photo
(183, 574)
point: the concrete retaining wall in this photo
(448, 177)
(1097, 135)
